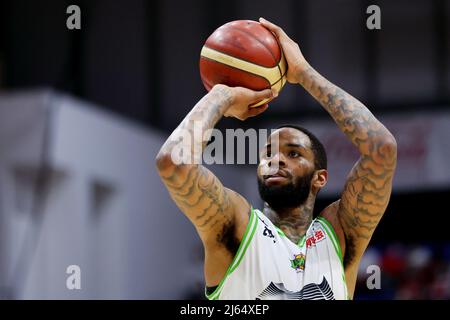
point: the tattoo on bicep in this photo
(199, 191)
(365, 198)
(218, 203)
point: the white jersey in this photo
(268, 265)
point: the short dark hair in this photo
(320, 155)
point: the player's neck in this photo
(294, 222)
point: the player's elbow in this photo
(388, 148)
(164, 161)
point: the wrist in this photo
(301, 68)
(223, 94)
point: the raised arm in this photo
(368, 187)
(217, 212)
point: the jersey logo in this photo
(298, 263)
(268, 233)
(312, 291)
(317, 237)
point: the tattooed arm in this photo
(219, 215)
(368, 186)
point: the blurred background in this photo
(84, 112)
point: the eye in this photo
(294, 154)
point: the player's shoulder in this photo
(330, 209)
(330, 214)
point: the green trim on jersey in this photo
(245, 242)
(280, 232)
(301, 241)
(337, 246)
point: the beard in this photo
(290, 195)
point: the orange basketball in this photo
(243, 53)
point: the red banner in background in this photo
(423, 141)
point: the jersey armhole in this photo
(337, 247)
(246, 239)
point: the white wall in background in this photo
(106, 210)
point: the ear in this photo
(320, 179)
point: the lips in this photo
(276, 176)
(279, 173)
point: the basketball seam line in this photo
(260, 42)
(247, 33)
(231, 66)
(228, 54)
(268, 49)
(281, 75)
(257, 75)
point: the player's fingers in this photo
(264, 94)
(252, 112)
(273, 27)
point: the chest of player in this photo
(293, 264)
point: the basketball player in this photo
(284, 251)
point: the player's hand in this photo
(294, 57)
(242, 98)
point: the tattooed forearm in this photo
(368, 187)
(352, 117)
(204, 116)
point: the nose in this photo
(277, 159)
